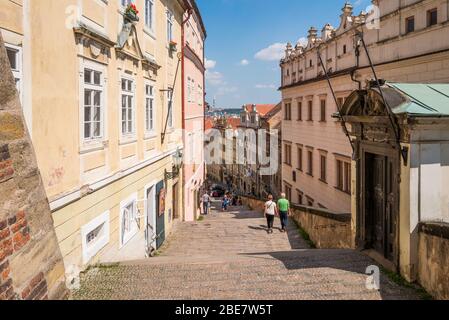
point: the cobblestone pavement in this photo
(230, 256)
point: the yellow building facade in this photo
(101, 95)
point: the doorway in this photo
(175, 201)
(380, 204)
(150, 218)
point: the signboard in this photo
(162, 195)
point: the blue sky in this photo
(240, 71)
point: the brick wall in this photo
(31, 265)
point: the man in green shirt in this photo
(284, 211)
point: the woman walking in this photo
(270, 212)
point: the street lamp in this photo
(177, 163)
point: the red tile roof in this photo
(262, 109)
(209, 124)
(233, 123)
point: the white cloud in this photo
(214, 77)
(265, 86)
(244, 62)
(273, 52)
(210, 64)
(225, 90)
(303, 41)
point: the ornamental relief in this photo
(379, 134)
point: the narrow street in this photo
(230, 256)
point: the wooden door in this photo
(160, 214)
(380, 205)
(375, 201)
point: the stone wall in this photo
(433, 259)
(31, 265)
(326, 229)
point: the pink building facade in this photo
(194, 35)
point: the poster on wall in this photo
(162, 195)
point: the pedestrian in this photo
(206, 203)
(224, 203)
(284, 211)
(270, 212)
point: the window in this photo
(200, 96)
(294, 176)
(344, 176)
(126, 2)
(432, 17)
(323, 111)
(95, 236)
(288, 192)
(345, 50)
(340, 101)
(149, 14)
(170, 108)
(300, 198)
(93, 104)
(288, 111)
(127, 106)
(310, 163)
(310, 111)
(300, 111)
(310, 202)
(323, 168)
(288, 154)
(169, 26)
(15, 59)
(300, 159)
(410, 24)
(310, 63)
(149, 108)
(128, 223)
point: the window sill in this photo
(149, 32)
(310, 174)
(149, 136)
(93, 145)
(124, 140)
(323, 181)
(341, 190)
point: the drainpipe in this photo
(189, 14)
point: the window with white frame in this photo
(200, 95)
(193, 91)
(93, 121)
(170, 108)
(125, 2)
(15, 60)
(170, 18)
(95, 236)
(127, 106)
(189, 89)
(128, 221)
(149, 14)
(149, 108)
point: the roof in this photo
(209, 124)
(262, 109)
(422, 99)
(274, 111)
(233, 123)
